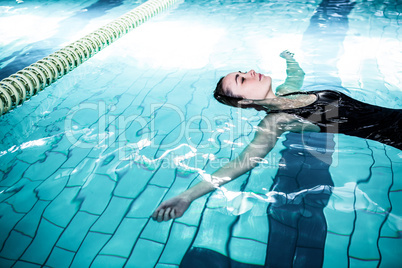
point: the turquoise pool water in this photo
(84, 163)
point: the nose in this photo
(251, 72)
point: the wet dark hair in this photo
(228, 98)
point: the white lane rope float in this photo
(18, 87)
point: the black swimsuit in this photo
(335, 112)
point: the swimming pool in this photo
(84, 163)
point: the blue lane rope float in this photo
(18, 87)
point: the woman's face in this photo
(250, 85)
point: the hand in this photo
(287, 55)
(171, 209)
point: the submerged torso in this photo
(335, 112)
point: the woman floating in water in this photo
(301, 223)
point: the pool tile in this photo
(347, 163)
(96, 194)
(122, 104)
(15, 174)
(33, 154)
(73, 102)
(82, 172)
(66, 203)
(76, 156)
(193, 213)
(85, 114)
(90, 247)
(391, 250)
(335, 251)
(8, 219)
(367, 231)
(247, 251)
(25, 198)
(65, 143)
(113, 215)
(145, 254)
(8, 126)
(367, 193)
(339, 221)
(128, 113)
(363, 263)
(180, 240)
(47, 102)
(124, 238)
(214, 231)
(97, 151)
(164, 265)
(5, 263)
(107, 165)
(169, 138)
(163, 178)
(15, 245)
(76, 231)
(108, 261)
(30, 222)
(180, 185)
(157, 231)
(147, 202)
(22, 264)
(379, 154)
(252, 227)
(53, 117)
(392, 227)
(261, 180)
(133, 182)
(4, 195)
(397, 183)
(59, 129)
(42, 170)
(54, 185)
(60, 258)
(45, 238)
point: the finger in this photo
(166, 215)
(156, 212)
(159, 218)
(153, 216)
(173, 214)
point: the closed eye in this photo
(243, 79)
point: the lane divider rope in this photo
(18, 87)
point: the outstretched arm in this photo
(265, 139)
(295, 75)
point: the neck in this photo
(271, 94)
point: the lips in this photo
(260, 76)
